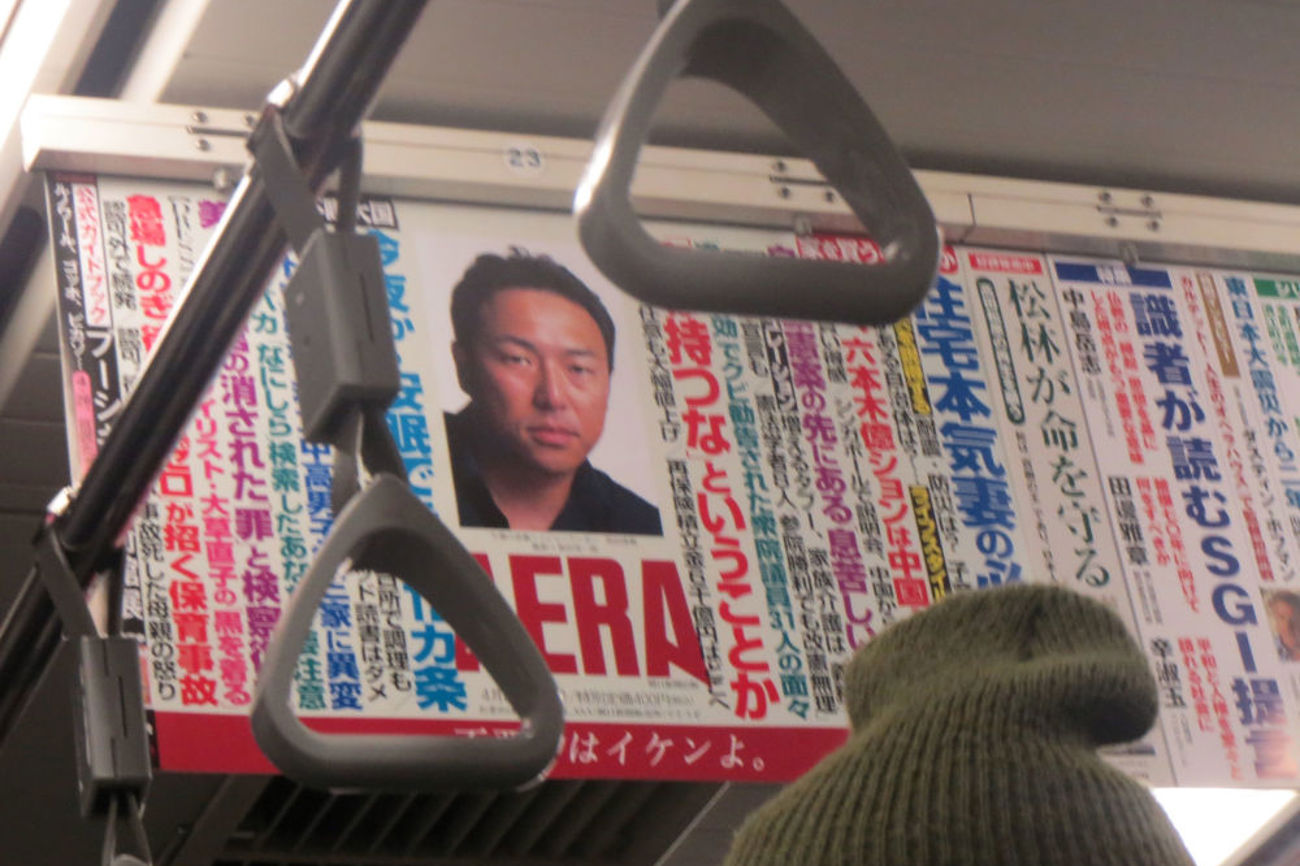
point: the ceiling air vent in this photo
(559, 822)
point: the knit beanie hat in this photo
(974, 729)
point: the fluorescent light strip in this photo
(1215, 822)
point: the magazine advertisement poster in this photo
(699, 517)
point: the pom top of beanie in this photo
(1058, 658)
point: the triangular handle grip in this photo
(758, 48)
(387, 529)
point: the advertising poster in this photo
(699, 517)
(1178, 387)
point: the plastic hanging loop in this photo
(385, 528)
(758, 48)
(346, 365)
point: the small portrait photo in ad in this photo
(1283, 609)
(541, 382)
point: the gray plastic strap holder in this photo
(758, 48)
(335, 305)
(110, 728)
(385, 528)
(336, 309)
(109, 723)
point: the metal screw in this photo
(1148, 201)
(1112, 221)
(203, 144)
(1154, 225)
(250, 119)
(784, 192)
(779, 166)
(803, 226)
(199, 117)
(221, 179)
(830, 196)
(1104, 196)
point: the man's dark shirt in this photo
(596, 503)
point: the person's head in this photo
(534, 349)
(1284, 615)
(974, 730)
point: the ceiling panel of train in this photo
(1197, 96)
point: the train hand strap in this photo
(385, 528)
(758, 48)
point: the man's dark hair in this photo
(491, 273)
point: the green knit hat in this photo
(974, 729)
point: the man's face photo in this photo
(1285, 620)
(533, 348)
(538, 372)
